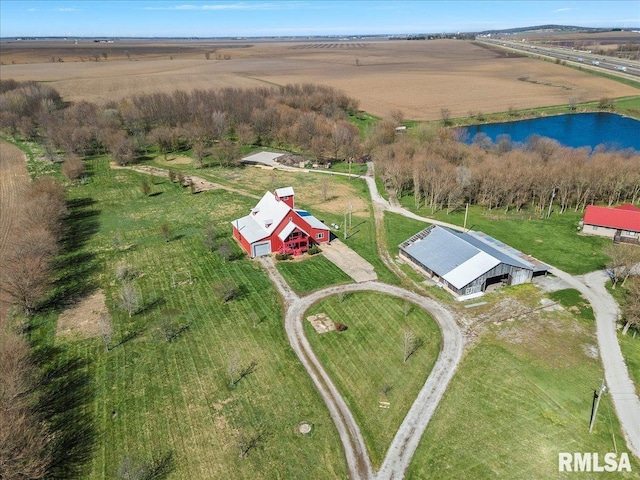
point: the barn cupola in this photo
(285, 195)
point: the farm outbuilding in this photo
(276, 226)
(467, 264)
(621, 223)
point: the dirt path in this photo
(13, 178)
(200, 184)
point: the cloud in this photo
(558, 10)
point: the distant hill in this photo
(547, 28)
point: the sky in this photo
(256, 18)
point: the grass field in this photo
(630, 346)
(554, 240)
(154, 396)
(521, 395)
(369, 356)
(312, 273)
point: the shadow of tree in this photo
(74, 267)
(66, 393)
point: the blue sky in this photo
(251, 18)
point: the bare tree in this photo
(445, 114)
(237, 371)
(199, 152)
(397, 116)
(73, 168)
(145, 187)
(252, 441)
(324, 188)
(106, 332)
(166, 232)
(27, 268)
(631, 307)
(129, 298)
(410, 344)
(623, 259)
(24, 440)
(158, 469)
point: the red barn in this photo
(276, 226)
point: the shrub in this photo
(314, 250)
(283, 256)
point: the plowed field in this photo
(13, 177)
(417, 77)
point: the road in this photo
(618, 66)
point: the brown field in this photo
(13, 178)
(419, 78)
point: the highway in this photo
(618, 66)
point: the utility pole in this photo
(345, 225)
(594, 408)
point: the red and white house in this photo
(276, 226)
(619, 223)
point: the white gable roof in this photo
(473, 268)
(291, 226)
(263, 219)
(284, 192)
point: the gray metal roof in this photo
(494, 248)
(441, 251)
(460, 258)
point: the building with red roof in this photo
(621, 223)
(274, 225)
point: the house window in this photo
(320, 236)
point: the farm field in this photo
(418, 78)
(14, 176)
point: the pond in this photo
(572, 130)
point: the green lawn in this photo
(520, 396)
(573, 299)
(630, 346)
(152, 396)
(399, 229)
(369, 355)
(554, 240)
(311, 273)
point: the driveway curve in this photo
(408, 436)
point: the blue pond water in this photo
(574, 130)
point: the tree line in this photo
(27, 441)
(441, 172)
(211, 123)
